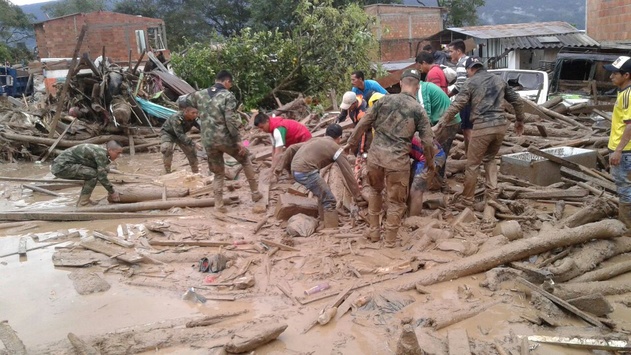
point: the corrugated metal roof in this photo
(517, 30)
(557, 41)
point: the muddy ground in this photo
(125, 309)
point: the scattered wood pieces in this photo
(113, 239)
(583, 342)
(197, 243)
(563, 304)
(42, 190)
(278, 245)
(253, 338)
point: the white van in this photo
(529, 84)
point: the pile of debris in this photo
(97, 102)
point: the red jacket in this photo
(296, 131)
(437, 76)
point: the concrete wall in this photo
(609, 20)
(400, 28)
(57, 38)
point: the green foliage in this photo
(325, 45)
(461, 12)
(68, 7)
(15, 25)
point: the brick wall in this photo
(399, 28)
(609, 20)
(57, 38)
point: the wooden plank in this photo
(279, 245)
(110, 250)
(132, 147)
(564, 162)
(563, 304)
(553, 194)
(22, 246)
(35, 248)
(583, 342)
(197, 243)
(346, 305)
(39, 189)
(112, 239)
(336, 303)
(72, 216)
(60, 181)
(64, 91)
(54, 145)
(577, 175)
(458, 341)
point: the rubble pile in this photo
(541, 255)
(103, 102)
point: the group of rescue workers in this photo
(400, 142)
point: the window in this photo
(140, 41)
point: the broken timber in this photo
(563, 304)
(583, 342)
(516, 250)
(158, 205)
(71, 216)
(198, 243)
(110, 250)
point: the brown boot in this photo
(84, 201)
(218, 187)
(390, 240)
(331, 219)
(195, 169)
(256, 196)
(372, 233)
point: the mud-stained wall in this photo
(609, 20)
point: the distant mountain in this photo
(497, 12)
(36, 10)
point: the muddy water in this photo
(42, 305)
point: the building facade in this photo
(120, 34)
(609, 20)
(400, 29)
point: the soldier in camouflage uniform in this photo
(220, 133)
(485, 92)
(174, 132)
(395, 119)
(88, 162)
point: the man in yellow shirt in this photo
(619, 140)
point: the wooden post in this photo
(132, 148)
(52, 147)
(64, 91)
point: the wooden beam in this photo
(42, 190)
(64, 90)
(72, 216)
(563, 304)
(54, 145)
(197, 243)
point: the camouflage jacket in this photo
(220, 124)
(394, 119)
(175, 128)
(90, 155)
(486, 93)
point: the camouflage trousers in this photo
(396, 183)
(216, 165)
(77, 172)
(167, 147)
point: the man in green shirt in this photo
(435, 102)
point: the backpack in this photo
(450, 74)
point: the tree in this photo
(15, 28)
(461, 12)
(15, 25)
(318, 54)
(68, 7)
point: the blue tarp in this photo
(154, 109)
